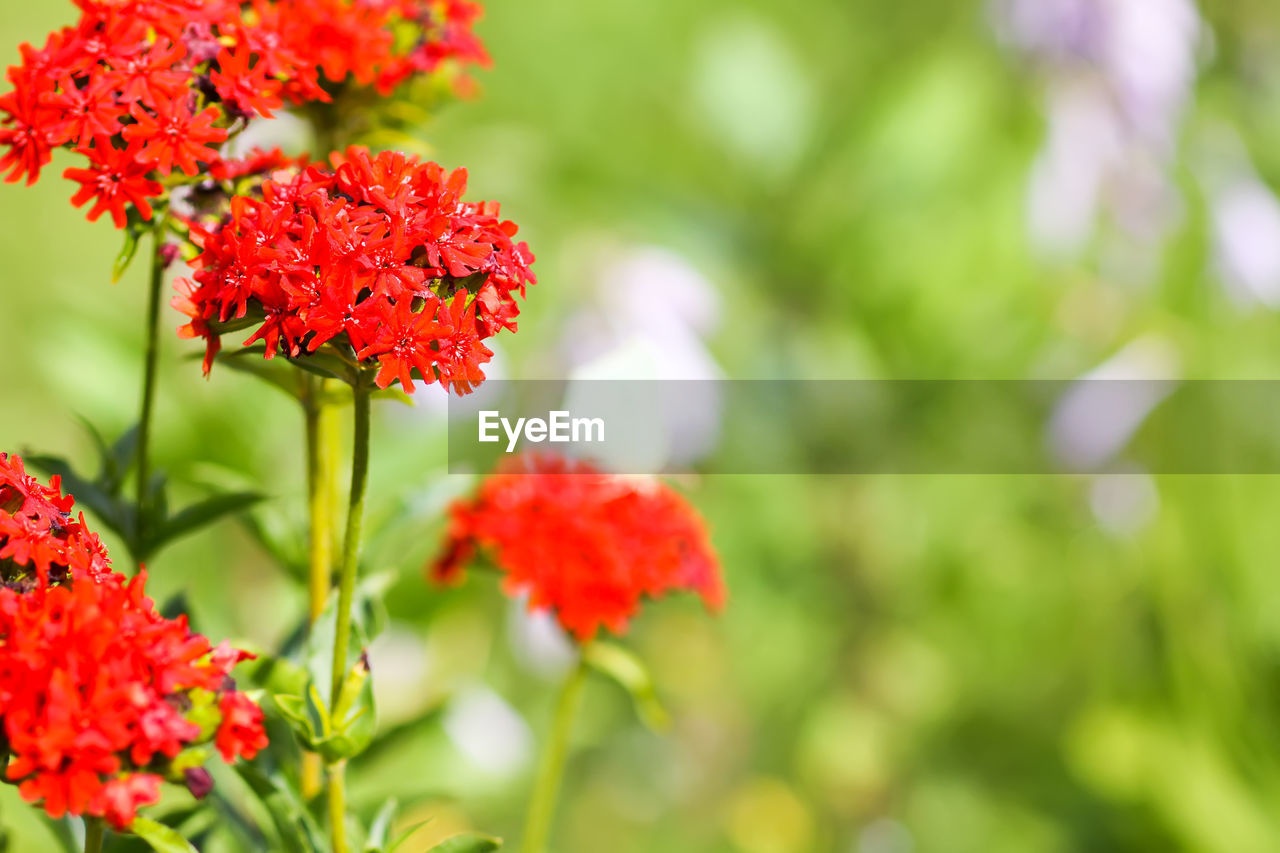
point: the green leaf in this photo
(388, 139)
(252, 317)
(61, 830)
(132, 237)
(295, 826)
(226, 814)
(279, 536)
(630, 672)
(408, 112)
(394, 737)
(395, 394)
(119, 461)
(404, 835)
(177, 605)
(299, 714)
(468, 843)
(155, 513)
(275, 372)
(110, 474)
(162, 838)
(347, 729)
(325, 364)
(370, 616)
(199, 515)
(471, 283)
(380, 829)
(355, 718)
(320, 642)
(368, 620)
(274, 674)
(339, 734)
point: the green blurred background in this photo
(817, 189)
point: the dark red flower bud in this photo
(198, 781)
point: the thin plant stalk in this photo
(94, 833)
(322, 467)
(351, 539)
(147, 406)
(546, 787)
(322, 464)
(338, 806)
(346, 596)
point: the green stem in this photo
(94, 833)
(546, 788)
(351, 542)
(149, 384)
(338, 806)
(321, 468)
(346, 596)
(321, 483)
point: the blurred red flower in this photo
(587, 545)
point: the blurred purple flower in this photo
(648, 320)
(1118, 75)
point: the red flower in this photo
(131, 71)
(116, 181)
(241, 734)
(449, 38)
(461, 351)
(98, 691)
(249, 90)
(256, 162)
(25, 133)
(36, 529)
(120, 798)
(587, 545)
(174, 135)
(404, 342)
(369, 258)
(150, 75)
(84, 113)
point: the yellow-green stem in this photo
(546, 787)
(351, 540)
(322, 464)
(346, 596)
(338, 806)
(321, 470)
(94, 833)
(149, 380)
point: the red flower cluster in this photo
(365, 39)
(99, 693)
(380, 258)
(37, 532)
(143, 87)
(585, 544)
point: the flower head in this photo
(40, 542)
(162, 83)
(377, 260)
(587, 545)
(99, 693)
(114, 181)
